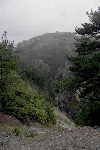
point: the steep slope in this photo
(49, 50)
(25, 102)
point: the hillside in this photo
(47, 52)
(45, 55)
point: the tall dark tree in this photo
(86, 70)
(7, 63)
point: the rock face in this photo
(66, 103)
(49, 50)
(38, 63)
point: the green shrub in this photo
(16, 130)
(26, 104)
(31, 134)
(88, 114)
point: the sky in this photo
(24, 19)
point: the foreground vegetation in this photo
(26, 103)
(86, 71)
(17, 97)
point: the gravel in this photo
(73, 138)
(79, 138)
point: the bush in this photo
(88, 114)
(16, 130)
(26, 104)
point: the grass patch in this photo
(16, 131)
(30, 134)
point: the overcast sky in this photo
(24, 19)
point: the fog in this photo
(24, 19)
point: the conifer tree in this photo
(86, 70)
(7, 63)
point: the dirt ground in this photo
(14, 135)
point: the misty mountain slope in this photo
(49, 49)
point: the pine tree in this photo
(86, 70)
(7, 63)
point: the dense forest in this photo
(52, 70)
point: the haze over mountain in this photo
(47, 52)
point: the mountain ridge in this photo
(51, 48)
